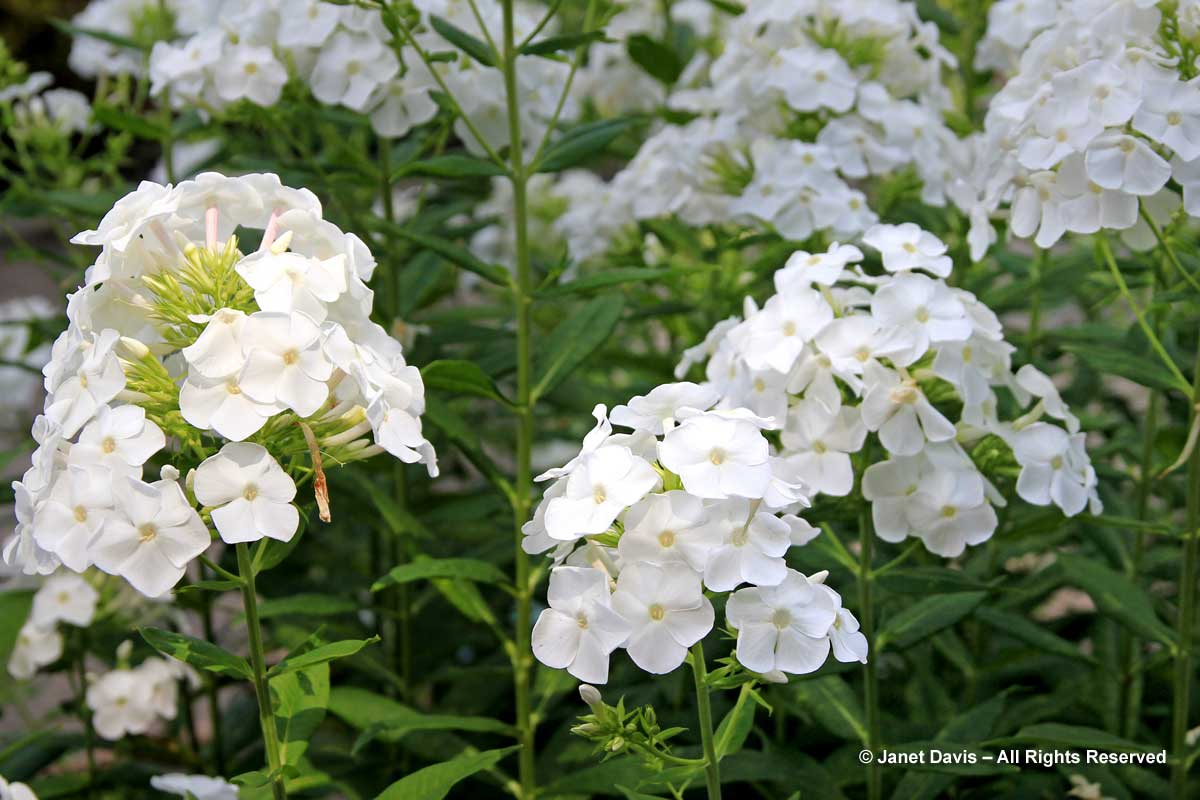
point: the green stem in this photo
(1035, 301)
(1134, 681)
(522, 482)
(85, 714)
(262, 689)
(866, 619)
(1188, 572)
(1181, 382)
(712, 767)
(210, 688)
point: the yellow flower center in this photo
(666, 538)
(657, 612)
(147, 532)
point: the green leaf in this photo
(321, 655)
(452, 166)
(314, 605)
(118, 120)
(14, 610)
(463, 377)
(435, 782)
(926, 617)
(735, 727)
(462, 436)
(104, 36)
(423, 568)
(208, 586)
(398, 519)
(197, 652)
(575, 338)
(580, 142)
(472, 46)
(606, 278)
(466, 597)
(555, 44)
(1143, 369)
(1031, 634)
(656, 58)
(396, 728)
(455, 254)
(833, 704)
(1116, 597)
(300, 699)
(1058, 735)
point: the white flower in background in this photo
(64, 598)
(848, 643)
(72, 515)
(1054, 468)
(667, 613)
(916, 365)
(15, 791)
(1077, 142)
(906, 247)
(122, 704)
(249, 72)
(783, 627)
(579, 630)
(196, 787)
(250, 494)
(35, 648)
(153, 539)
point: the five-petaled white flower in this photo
(250, 494)
(580, 629)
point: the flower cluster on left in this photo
(242, 370)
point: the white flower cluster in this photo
(134, 20)
(36, 107)
(128, 701)
(177, 333)
(347, 57)
(63, 598)
(644, 522)
(837, 354)
(1100, 115)
(805, 98)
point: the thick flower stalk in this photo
(244, 371)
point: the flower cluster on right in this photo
(691, 500)
(840, 354)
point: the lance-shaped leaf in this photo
(395, 728)
(471, 569)
(300, 699)
(575, 338)
(1116, 597)
(472, 46)
(461, 377)
(435, 782)
(197, 652)
(321, 655)
(927, 617)
(581, 142)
